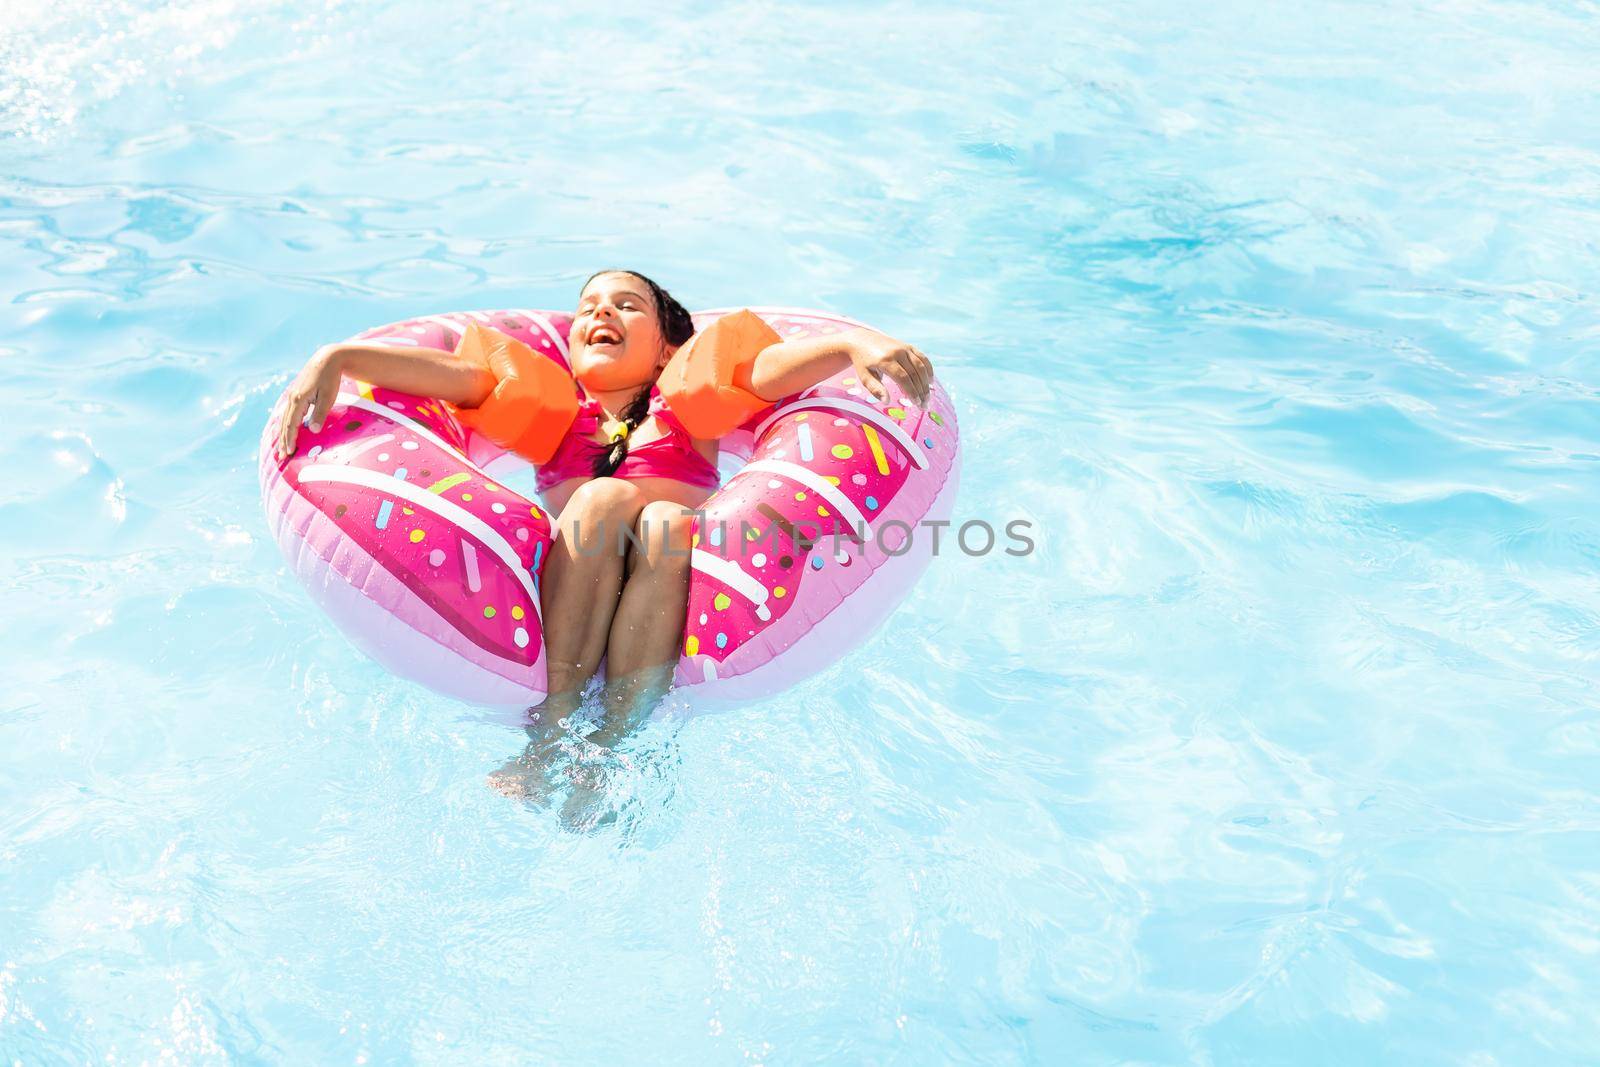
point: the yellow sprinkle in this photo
(779, 591)
(843, 451)
(851, 381)
(517, 612)
(822, 511)
(694, 542)
(491, 488)
(365, 390)
(466, 496)
(799, 496)
(832, 479)
(417, 535)
(448, 482)
(533, 511)
(877, 449)
(934, 415)
(408, 511)
(721, 601)
(802, 416)
(488, 613)
(897, 413)
(691, 646)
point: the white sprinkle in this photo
(774, 484)
(316, 450)
(383, 457)
(702, 618)
(498, 508)
(841, 422)
(409, 446)
(520, 637)
(398, 405)
(759, 560)
(436, 557)
(522, 533)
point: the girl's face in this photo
(616, 340)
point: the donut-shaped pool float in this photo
(394, 516)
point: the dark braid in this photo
(676, 327)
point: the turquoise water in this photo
(1280, 325)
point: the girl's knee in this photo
(664, 528)
(604, 497)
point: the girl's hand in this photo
(314, 390)
(876, 356)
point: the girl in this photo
(626, 460)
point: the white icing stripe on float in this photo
(395, 339)
(861, 411)
(817, 484)
(400, 417)
(440, 320)
(729, 574)
(419, 497)
(549, 329)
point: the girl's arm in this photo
(787, 367)
(421, 371)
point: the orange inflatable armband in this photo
(533, 403)
(707, 382)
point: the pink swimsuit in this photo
(671, 456)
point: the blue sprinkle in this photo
(388, 505)
(928, 441)
(816, 563)
(872, 503)
(722, 640)
(715, 536)
(538, 550)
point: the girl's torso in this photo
(667, 466)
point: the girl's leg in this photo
(577, 597)
(582, 579)
(646, 634)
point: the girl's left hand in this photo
(876, 356)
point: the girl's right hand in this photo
(314, 390)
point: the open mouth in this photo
(604, 335)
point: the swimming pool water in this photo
(1279, 323)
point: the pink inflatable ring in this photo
(394, 522)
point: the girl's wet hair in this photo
(676, 328)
